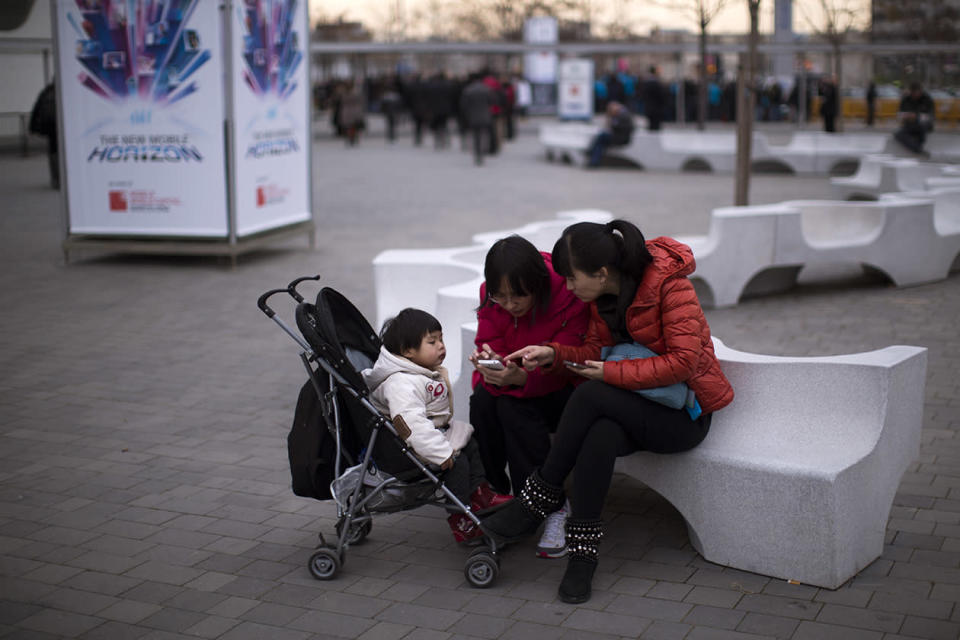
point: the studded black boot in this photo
(583, 539)
(521, 516)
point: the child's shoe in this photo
(465, 530)
(484, 499)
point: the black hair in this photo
(406, 330)
(589, 246)
(517, 261)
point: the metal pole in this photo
(226, 27)
(309, 133)
(61, 148)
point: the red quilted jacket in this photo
(665, 316)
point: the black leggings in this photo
(514, 432)
(602, 422)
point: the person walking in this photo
(871, 103)
(476, 103)
(639, 296)
(654, 100)
(828, 104)
(43, 122)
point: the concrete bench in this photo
(884, 174)
(943, 147)
(797, 475)
(446, 282)
(946, 221)
(818, 152)
(762, 249)
(807, 152)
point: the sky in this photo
(643, 14)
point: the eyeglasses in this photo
(503, 300)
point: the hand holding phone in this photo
(574, 365)
(496, 365)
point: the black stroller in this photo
(341, 447)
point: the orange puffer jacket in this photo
(665, 316)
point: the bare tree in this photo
(745, 102)
(702, 12)
(837, 19)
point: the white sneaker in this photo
(553, 543)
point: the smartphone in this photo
(574, 365)
(491, 364)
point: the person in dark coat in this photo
(43, 122)
(439, 95)
(616, 133)
(915, 114)
(476, 104)
(828, 104)
(654, 99)
(871, 103)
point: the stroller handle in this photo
(292, 287)
(262, 301)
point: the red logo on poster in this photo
(118, 201)
(261, 197)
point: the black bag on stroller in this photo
(340, 446)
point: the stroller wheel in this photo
(481, 569)
(358, 532)
(324, 563)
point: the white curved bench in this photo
(797, 475)
(884, 174)
(761, 249)
(796, 478)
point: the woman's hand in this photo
(483, 353)
(533, 356)
(511, 374)
(592, 369)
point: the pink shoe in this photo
(484, 499)
(464, 529)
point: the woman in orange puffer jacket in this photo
(638, 293)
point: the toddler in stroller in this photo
(342, 447)
(409, 384)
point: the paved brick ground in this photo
(144, 403)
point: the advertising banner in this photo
(576, 90)
(271, 114)
(142, 98)
(540, 67)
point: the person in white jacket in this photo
(409, 385)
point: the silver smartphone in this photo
(491, 364)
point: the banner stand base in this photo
(186, 246)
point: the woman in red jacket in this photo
(638, 292)
(514, 410)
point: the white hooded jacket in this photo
(418, 402)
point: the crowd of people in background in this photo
(482, 107)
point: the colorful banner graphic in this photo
(142, 97)
(271, 114)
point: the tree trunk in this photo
(838, 72)
(745, 106)
(702, 81)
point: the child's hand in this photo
(447, 464)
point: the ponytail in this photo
(589, 246)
